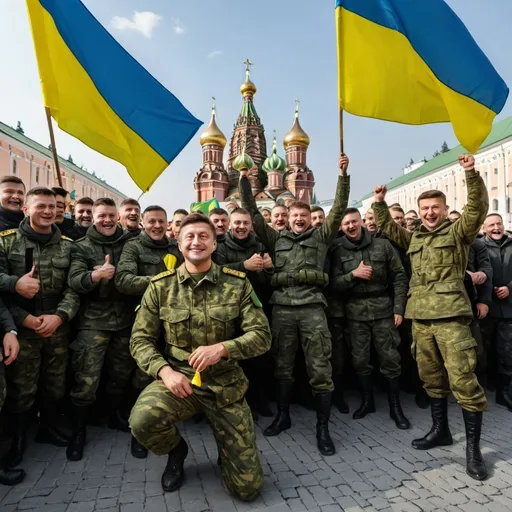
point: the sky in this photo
(196, 49)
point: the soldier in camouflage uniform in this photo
(36, 259)
(144, 257)
(11, 348)
(299, 255)
(104, 322)
(367, 272)
(211, 318)
(441, 311)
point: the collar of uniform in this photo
(184, 275)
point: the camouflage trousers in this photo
(339, 345)
(446, 355)
(39, 369)
(498, 335)
(153, 423)
(386, 340)
(309, 324)
(90, 350)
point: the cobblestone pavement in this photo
(375, 469)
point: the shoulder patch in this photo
(8, 232)
(163, 274)
(67, 238)
(231, 272)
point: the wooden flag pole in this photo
(342, 149)
(54, 149)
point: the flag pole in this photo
(54, 149)
(342, 149)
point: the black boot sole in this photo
(430, 446)
(175, 487)
(360, 415)
(480, 478)
(13, 481)
(268, 432)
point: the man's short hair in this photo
(397, 209)
(241, 211)
(11, 179)
(104, 201)
(40, 191)
(154, 208)
(129, 201)
(494, 215)
(412, 211)
(197, 218)
(84, 200)
(317, 208)
(279, 206)
(218, 211)
(180, 211)
(348, 211)
(432, 194)
(394, 205)
(59, 191)
(299, 205)
(454, 212)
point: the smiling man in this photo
(129, 216)
(178, 304)
(441, 311)
(66, 226)
(12, 196)
(279, 217)
(83, 215)
(220, 219)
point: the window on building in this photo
(446, 189)
(507, 205)
(48, 176)
(37, 175)
(496, 170)
(495, 205)
(14, 166)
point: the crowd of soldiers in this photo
(110, 314)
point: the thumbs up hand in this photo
(27, 286)
(105, 271)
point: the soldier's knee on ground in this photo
(247, 491)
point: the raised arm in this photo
(127, 280)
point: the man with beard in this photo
(83, 215)
(367, 271)
(369, 222)
(12, 195)
(220, 219)
(144, 257)
(497, 327)
(298, 313)
(104, 322)
(317, 216)
(441, 311)
(66, 226)
(242, 251)
(129, 216)
(177, 219)
(37, 251)
(279, 217)
(180, 303)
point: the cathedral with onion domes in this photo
(273, 178)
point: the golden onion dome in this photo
(243, 162)
(248, 88)
(212, 134)
(296, 136)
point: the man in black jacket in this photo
(12, 197)
(66, 226)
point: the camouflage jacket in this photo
(103, 306)
(221, 308)
(142, 259)
(335, 305)
(18, 253)
(384, 294)
(233, 252)
(6, 322)
(299, 260)
(439, 258)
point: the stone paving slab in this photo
(375, 469)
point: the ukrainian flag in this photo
(205, 207)
(414, 62)
(101, 95)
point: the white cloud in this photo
(215, 53)
(178, 26)
(143, 22)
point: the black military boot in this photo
(18, 443)
(261, 403)
(75, 450)
(117, 419)
(282, 420)
(138, 451)
(323, 413)
(11, 476)
(422, 399)
(439, 434)
(48, 431)
(503, 385)
(475, 465)
(174, 475)
(367, 402)
(395, 407)
(337, 397)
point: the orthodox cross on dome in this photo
(213, 104)
(248, 66)
(297, 103)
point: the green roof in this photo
(499, 132)
(23, 139)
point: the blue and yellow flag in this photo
(415, 63)
(205, 207)
(100, 94)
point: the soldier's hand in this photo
(363, 271)
(477, 277)
(398, 320)
(267, 261)
(343, 163)
(254, 263)
(49, 324)
(502, 292)
(379, 193)
(481, 311)
(11, 348)
(467, 162)
(27, 286)
(32, 322)
(203, 357)
(175, 382)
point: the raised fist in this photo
(379, 193)
(467, 162)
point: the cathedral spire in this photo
(212, 134)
